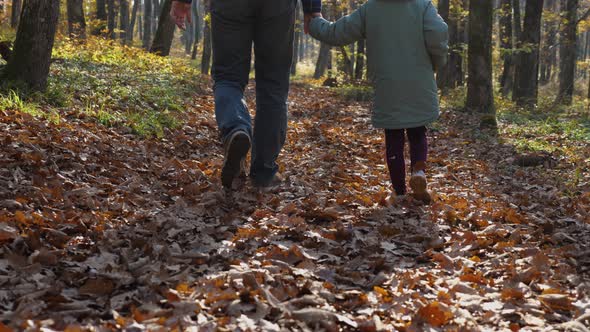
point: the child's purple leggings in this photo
(394, 152)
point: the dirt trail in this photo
(100, 227)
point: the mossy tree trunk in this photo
(527, 66)
(480, 92)
(76, 20)
(165, 32)
(31, 57)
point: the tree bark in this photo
(16, 12)
(322, 62)
(165, 33)
(480, 92)
(549, 50)
(527, 72)
(506, 45)
(567, 54)
(76, 20)
(124, 20)
(31, 57)
(101, 16)
(207, 47)
(111, 19)
(359, 69)
(147, 23)
(131, 30)
(297, 39)
(197, 27)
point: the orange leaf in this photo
(435, 314)
(512, 294)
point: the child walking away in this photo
(406, 42)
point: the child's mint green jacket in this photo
(406, 40)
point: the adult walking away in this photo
(236, 25)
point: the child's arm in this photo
(436, 34)
(345, 31)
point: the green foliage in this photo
(116, 85)
(356, 92)
(546, 127)
(14, 101)
(119, 85)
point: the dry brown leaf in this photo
(99, 287)
(557, 302)
(435, 314)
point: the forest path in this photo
(102, 227)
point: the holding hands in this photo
(307, 20)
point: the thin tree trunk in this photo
(296, 41)
(155, 15)
(527, 73)
(124, 20)
(360, 60)
(567, 54)
(480, 92)
(323, 61)
(31, 57)
(16, 11)
(207, 47)
(76, 20)
(147, 23)
(101, 17)
(131, 29)
(165, 33)
(111, 19)
(506, 45)
(197, 28)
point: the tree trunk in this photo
(155, 15)
(31, 57)
(165, 33)
(323, 61)
(197, 28)
(124, 20)
(147, 23)
(567, 53)
(548, 52)
(527, 72)
(359, 69)
(15, 15)
(296, 41)
(101, 16)
(112, 17)
(131, 29)
(76, 21)
(207, 49)
(506, 45)
(480, 92)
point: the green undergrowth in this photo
(547, 128)
(114, 84)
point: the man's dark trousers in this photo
(236, 25)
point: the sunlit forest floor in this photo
(112, 214)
